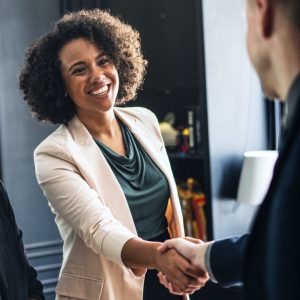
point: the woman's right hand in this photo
(182, 276)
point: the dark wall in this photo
(20, 23)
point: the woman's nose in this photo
(97, 75)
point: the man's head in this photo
(273, 37)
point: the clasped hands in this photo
(183, 270)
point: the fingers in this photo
(169, 265)
(177, 243)
(168, 244)
(184, 247)
(187, 268)
(183, 275)
(164, 281)
(193, 240)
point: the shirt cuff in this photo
(113, 244)
(207, 263)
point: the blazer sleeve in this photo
(35, 288)
(227, 259)
(73, 200)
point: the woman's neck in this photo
(101, 124)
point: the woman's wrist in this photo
(138, 253)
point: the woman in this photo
(104, 171)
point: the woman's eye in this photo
(103, 61)
(78, 70)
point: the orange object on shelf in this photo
(193, 202)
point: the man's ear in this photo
(266, 16)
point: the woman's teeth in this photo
(100, 91)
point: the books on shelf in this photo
(194, 127)
(185, 139)
(188, 141)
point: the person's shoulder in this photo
(57, 137)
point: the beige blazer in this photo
(91, 210)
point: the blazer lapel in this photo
(98, 173)
(152, 144)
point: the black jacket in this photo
(17, 278)
(268, 261)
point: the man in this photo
(17, 279)
(267, 261)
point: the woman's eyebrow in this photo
(76, 64)
(82, 62)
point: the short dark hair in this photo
(291, 8)
(41, 79)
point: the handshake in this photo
(191, 274)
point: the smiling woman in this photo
(104, 171)
(91, 78)
(41, 77)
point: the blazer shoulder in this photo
(57, 139)
(137, 112)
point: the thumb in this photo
(167, 245)
(162, 247)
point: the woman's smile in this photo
(100, 91)
(89, 76)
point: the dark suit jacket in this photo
(17, 279)
(268, 261)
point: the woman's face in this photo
(90, 77)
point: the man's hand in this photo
(182, 276)
(194, 251)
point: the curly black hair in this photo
(41, 79)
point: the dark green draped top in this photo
(144, 185)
